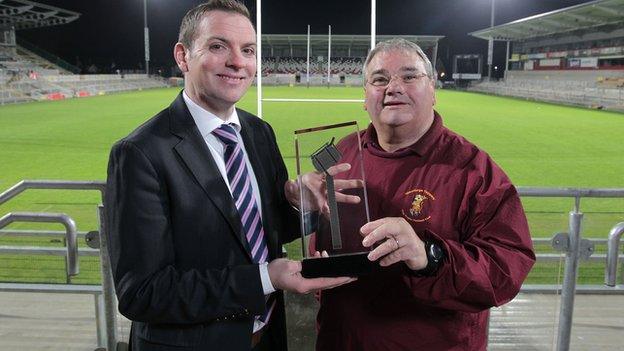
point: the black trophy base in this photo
(345, 265)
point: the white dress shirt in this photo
(207, 122)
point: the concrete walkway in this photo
(66, 322)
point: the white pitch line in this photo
(314, 100)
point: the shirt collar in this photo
(207, 121)
(420, 147)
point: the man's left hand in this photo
(397, 242)
(315, 188)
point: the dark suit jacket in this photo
(181, 264)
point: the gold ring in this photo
(397, 241)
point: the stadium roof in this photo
(580, 18)
(23, 14)
(340, 39)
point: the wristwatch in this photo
(435, 255)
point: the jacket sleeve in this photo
(150, 287)
(488, 265)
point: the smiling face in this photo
(220, 65)
(407, 101)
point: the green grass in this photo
(537, 144)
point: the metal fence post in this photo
(108, 288)
(613, 247)
(569, 281)
(100, 321)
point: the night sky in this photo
(112, 30)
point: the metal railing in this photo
(572, 249)
(51, 184)
(107, 331)
(71, 259)
(613, 247)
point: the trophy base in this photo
(345, 265)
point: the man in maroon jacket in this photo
(448, 227)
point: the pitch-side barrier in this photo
(105, 299)
(571, 243)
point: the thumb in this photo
(290, 186)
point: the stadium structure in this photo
(29, 74)
(574, 55)
(285, 57)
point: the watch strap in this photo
(433, 262)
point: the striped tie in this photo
(240, 183)
(242, 193)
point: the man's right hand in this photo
(286, 275)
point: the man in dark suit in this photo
(195, 207)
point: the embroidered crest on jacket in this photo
(421, 201)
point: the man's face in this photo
(408, 98)
(221, 64)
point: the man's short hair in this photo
(190, 22)
(401, 45)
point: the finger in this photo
(387, 227)
(325, 283)
(337, 285)
(321, 205)
(291, 190)
(342, 184)
(339, 168)
(395, 256)
(347, 199)
(295, 267)
(371, 226)
(383, 249)
(317, 254)
(291, 187)
(385, 230)
(345, 184)
(325, 208)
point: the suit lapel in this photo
(253, 139)
(195, 154)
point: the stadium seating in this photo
(56, 87)
(595, 89)
(292, 65)
(26, 77)
(347, 65)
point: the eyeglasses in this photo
(382, 81)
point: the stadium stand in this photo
(284, 57)
(25, 75)
(23, 79)
(293, 65)
(572, 56)
(567, 88)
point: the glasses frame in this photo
(399, 78)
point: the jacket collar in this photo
(421, 147)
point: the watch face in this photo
(436, 252)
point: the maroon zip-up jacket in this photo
(451, 192)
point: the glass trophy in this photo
(328, 222)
